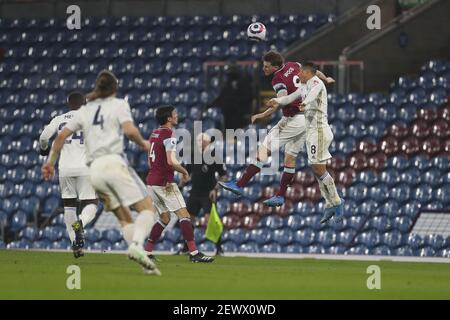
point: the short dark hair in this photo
(274, 58)
(310, 66)
(75, 100)
(163, 114)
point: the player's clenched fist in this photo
(48, 171)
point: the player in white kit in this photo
(73, 172)
(104, 120)
(318, 136)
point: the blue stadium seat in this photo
(271, 248)
(405, 250)
(261, 236)
(18, 221)
(249, 247)
(427, 252)
(121, 245)
(335, 250)
(238, 236)
(304, 237)
(58, 220)
(393, 239)
(229, 246)
(435, 241)
(112, 235)
(92, 235)
(357, 250)
(43, 245)
(369, 239)
(283, 236)
(29, 233)
(51, 204)
(62, 244)
(173, 235)
(381, 251)
(207, 246)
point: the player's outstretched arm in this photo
(324, 78)
(48, 169)
(132, 133)
(285, 100)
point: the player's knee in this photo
(319, 169)
(289, 160)
(165, 218)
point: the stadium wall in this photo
(53, 8)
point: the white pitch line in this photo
(282, 256)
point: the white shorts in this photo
(77, 187)
(166, 199)
(318, 141)
(116, 183)
(289, 132)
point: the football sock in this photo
(88, 213)
(128, 232)
(157, 229)
(142, 224)
(286, 179)
(70, 216)
(249, 173)
(188, 234)
(329, 191)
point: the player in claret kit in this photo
(73, 172)
(289, 132)
(318, 136)
(104, 120)
(160, 183)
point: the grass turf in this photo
(42, 275)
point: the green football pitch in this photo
(43, 275)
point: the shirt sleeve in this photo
(314, 93)
(47, 133)
(290, 98)
(124, 113)
(170, 144)
(75, 123)
(278, 86)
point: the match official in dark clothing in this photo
(204, 184)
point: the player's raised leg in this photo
(334, 205)
(252, 170)
(286, 179)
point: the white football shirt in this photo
(101, 121)
(72, 162)
(316, 102)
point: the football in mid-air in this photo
(256, 31)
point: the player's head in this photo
(167, 115)
(106, 85)
(203, 140)
(272, 61)
(75, 100)
(307, 71)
